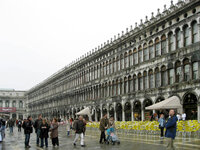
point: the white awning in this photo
(85, 111)
(170, 103)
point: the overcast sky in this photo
(39, 37)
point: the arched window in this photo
(110, 66)
(107, 68)
(171, 76)
(151, 50)
(125, 85)
(194, 32)
(151, 83)
(145, 53)
(186, 70)
(145, 80)
(140, 82)
(140, 54)
(7, 103)
(121, 62)
(130, 86)
(130, 58)
(157, 47)
(186, 35)
(1, 103)
(171, 41)
(126, 60)
(14, 104)
(163, 45)
(135, 58)
(178, 38)
(118, 64)
(106, 89)
(157, 77)
(195, 70)
(134, 82)
(121, 83)
(114, 65)
(178, 71)
(164, 76)
(110, 89)
(113, 88)
(117, 87)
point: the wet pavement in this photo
(128, 142)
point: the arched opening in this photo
(190, 106)
(98, 112)
(111, 111)
(104, 109)
(127, 109)
(147, 113)
(137, 110)
(119, 112)
(159, 99)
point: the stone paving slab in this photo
(16, 142)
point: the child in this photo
(68, 127)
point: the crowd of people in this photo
(45, 129)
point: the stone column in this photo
(108, 110)
(115, 113)
(101, 111)
(123, 113)
(95, 114)
(132, 114)
(142, 113)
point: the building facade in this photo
(157, 59)
(12, 103)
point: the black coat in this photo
(44, 130)
(79, 126)
(27, 126)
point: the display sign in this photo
(7, 109)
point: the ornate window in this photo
(114, 65)
(186, 70)
(145, 80)
(14, 104)
(7, 103)
(107, 68)
(151, 83)
(151, 50)
(130, 58)
(157, 47)
(118, 64)
(1, 103)
(163, 45)
(130, 86)
(195, 70)
(125, 85)
(178, 71)
(171, 41)
(194, 32)
(110, 67)
(121, 62)
(178, 38)
(140, 54)
(164, 76)
(140, 82)
(157, 77)
(186, 35)
(117, 87)
(126, 61)
(134, 83)
(135, 58)
(171, 76)
(145, 53)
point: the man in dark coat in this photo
(79, 130)
(28, 129)
(104, 124)
(170, 133)
(37, 125)
(10, 124)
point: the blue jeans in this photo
(37, 136)
(27, 138)
(11, 129)
(68, 133)
(42, 142)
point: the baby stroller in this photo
(112, 137)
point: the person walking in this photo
(170, 133)
(104, 124)
(54, 132)
(37, 125)
(19, 125)
(79, 130)
(28, 129)
(44, 133)
(11, 124)
(3, 127)
(68, 127)
(161, 125)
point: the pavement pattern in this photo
(15, 141)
